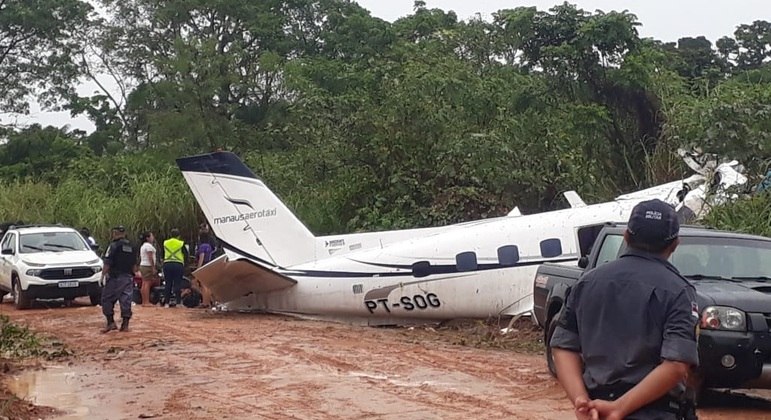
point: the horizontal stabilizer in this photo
(231, 279)
(574, 199)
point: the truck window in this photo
(611, 246)
(724, 257)
(586, 237)
(691, 259)
(7, 242)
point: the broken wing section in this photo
(229, 279)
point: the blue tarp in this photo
(765, 185)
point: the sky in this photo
(666, 20)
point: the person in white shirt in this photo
(147, 266)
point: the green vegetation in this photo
(18, 342)
(751, 215)
(362, 124)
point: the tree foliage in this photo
(38, 43)
(360, 123)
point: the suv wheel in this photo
(20, 297)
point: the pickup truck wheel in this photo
(549, 333)
(20, 297)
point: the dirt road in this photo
(184, 363)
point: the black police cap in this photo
(654, 222)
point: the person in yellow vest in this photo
(175, 254)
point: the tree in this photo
(594, 60)
(38, 40)
(750, 47)
(698, 60)
(40, 153)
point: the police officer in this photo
(120, 261)
(626, 339)
(175, 254)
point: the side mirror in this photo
(95, 247)
(7, 251)
(583, 262)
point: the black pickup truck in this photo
(732, 276)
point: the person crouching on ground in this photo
(174, 256)
(147, 266)
(119, 267)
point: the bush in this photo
(751, 215)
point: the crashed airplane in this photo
(480, 269)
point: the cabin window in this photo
(466, 261)
(421, 269)
(551, 248)
(508, 255)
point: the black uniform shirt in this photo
(624, 317)
(121, 256)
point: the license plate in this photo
(68, 284)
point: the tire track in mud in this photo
(195, 364)
(425, 393)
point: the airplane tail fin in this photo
(244, 213)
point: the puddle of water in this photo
(53, 387)
(77, 394)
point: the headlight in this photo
(34, 272)
(723, 318)
(31, 264)
(96, 269)
(93, 261)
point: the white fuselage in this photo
(380, 282)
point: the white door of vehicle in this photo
(6, 260)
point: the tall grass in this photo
(156, 201)
(751, 215)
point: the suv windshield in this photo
(51, 241)
(727, 258)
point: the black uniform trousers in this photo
(118, 287)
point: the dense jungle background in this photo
(362, 124)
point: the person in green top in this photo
(175, 254)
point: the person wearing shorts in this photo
(147, 266)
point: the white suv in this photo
(48, 262)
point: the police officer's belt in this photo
(666, 403)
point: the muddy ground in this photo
(183, 363)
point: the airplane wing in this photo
(230, 279)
